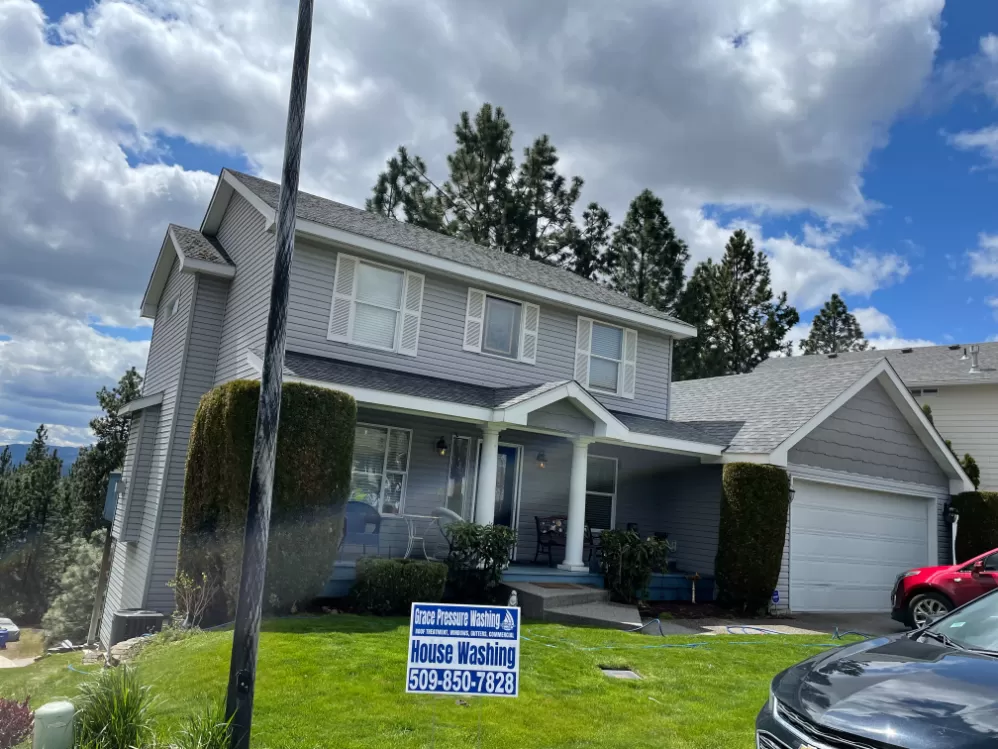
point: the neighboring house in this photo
(551, 395)
(958, 382)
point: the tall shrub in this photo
(311, 484)
(754, 508)
(977, 531)
(627, 562)
(478, 556)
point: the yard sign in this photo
(470, 650)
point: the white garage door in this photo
(847, 546)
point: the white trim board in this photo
(146, 401)
(164, 264)
(443, 266)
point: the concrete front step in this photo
(534, 599)
(597, 614)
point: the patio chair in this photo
(362, 525)
(550, 535)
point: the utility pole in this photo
(246, 635)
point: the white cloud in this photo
(879, 329)
(882, 343)
(633, 94)
(874, 322)
(984, 260)
(984, 140)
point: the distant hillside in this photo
(68, 454)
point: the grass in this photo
(339, 681)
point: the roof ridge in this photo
(867, 363)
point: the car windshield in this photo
(974, 627)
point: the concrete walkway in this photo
(800, 624)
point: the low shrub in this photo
(390, 586)
(112, 711)
(754, 508)
(206, 728)
(68, 616)
(193, 597)
(627, 562)
(478, 556)
(977, 531)
(15, 722)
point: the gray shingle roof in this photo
(392, 381)
(197, 246)
(929, 365)
(756, 412)
(367, 224)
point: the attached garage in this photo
(847, 545)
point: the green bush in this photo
(972, 470)
(68, 617)
(205, 728)
(389, 586)
(479, 554)
(112, 712)
(627, 562)
(754, 508)
(311, 484)
(977, 531)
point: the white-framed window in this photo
(376, 305)
(606, 357)
(601, 492)
(380, 467)
(499, 326)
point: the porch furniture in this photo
(551, 534)
(362, 525)
(445, 517)
(413, 523)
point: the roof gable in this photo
(194, 252)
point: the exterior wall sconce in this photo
(542, 459)
(792, 491)
(441, 446)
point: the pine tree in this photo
(834, 330)
(590, 244)
(648, 260)
(402, 192)
(739, 323)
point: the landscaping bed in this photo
(339, 681)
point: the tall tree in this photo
(648, 259)
(834, 330)
(403, 192)
(740, 322)
(590, 243)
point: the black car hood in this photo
(899, 692)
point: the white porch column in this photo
(575, 532)
(485, 502)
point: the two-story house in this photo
(506, 390)
(958, 382)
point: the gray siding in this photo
(242, 235)
(561, 416)
(868, 435)
(198, 373)
(147, 443)
(441, 336)
(783, 582)
(693, 515)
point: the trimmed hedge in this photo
(389, 586)
(478, 556)
(311, 484)
(754, 508)
(627, 562)
(977, 531)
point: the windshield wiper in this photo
(945, 640)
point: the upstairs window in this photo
(503, 327)
(606, 358)
(375, 305)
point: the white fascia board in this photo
(138, 404)
(664, 444)
(860, 481)
(915, 416)
(192, 265)
(761, 458)
(227, 184)
(605, 423)
(479, 277)
(160, 275)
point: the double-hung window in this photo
(606, 357)
(601, 491)
(499, 326)
(380, 467)
(376, 305)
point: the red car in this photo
(929, 592)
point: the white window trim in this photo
(400, 311)
(384, 469)
(620, 361)
(612, 495)
(521, 334)
(468, 501)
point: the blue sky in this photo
(850, 137)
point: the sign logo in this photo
(468, 650)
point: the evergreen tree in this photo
(403, 193)
(739, 323)
(834, 330)
(648, 260)
(590, 244)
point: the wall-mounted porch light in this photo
(542, 459)
(792, 490)
(441, 446)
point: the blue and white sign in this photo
(470, 650)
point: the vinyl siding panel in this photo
(242, 235)
(868, 435)
(198, 374)
(440, 350)
(147, 445)
(968, 415)
(563, 417)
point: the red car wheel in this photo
(926, 606)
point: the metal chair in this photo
(358, 517)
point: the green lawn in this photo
(338, 681)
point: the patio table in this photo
(412, 524)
